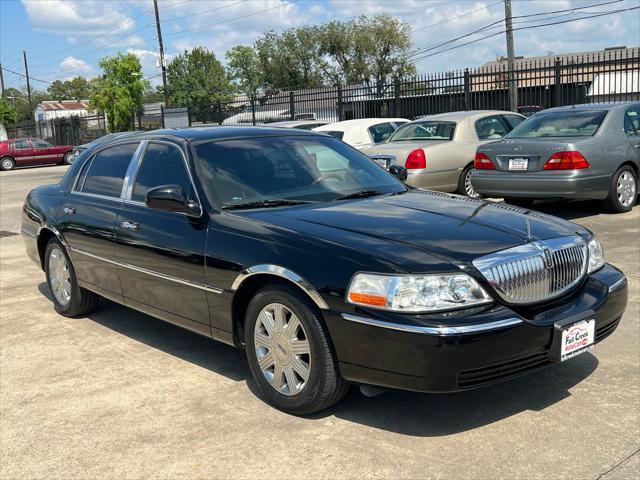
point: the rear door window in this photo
(105, 175)
(381, 132)
(513, 120)
(21, 145)
(491, 128)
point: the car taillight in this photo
(483, 162)
(416, 159)
(569, 160)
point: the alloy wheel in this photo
(59, 276)
(282, 349)
(7, 164)
(626, 189)
(468, 186)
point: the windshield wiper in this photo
(274, 202)
(359, 194)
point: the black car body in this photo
(203, 267)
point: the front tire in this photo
(465, 187)
(289, 352)
(623, 190)
(7, 163)
(69, 299)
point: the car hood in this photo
(452, 228)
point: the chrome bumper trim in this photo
(618, 284)
(163, 276)
(461, 330)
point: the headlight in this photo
(416, 293)
(596, 255)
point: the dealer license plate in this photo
(518, 163)
(577, 338)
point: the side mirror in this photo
(399, 172)
(170, 198)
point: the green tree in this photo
(245, 69)
(291, 59)
(366, 50)
(19, 100)
(118, 93)
(78, 88)
(7, 115)
(153, 95)
(198, 80)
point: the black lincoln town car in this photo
(323, 266)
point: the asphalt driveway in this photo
(121, 395)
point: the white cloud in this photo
(75, 65)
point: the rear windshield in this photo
(560, 124)
(427, 130)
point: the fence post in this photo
(557, 87)
(139, 121)
(467, 90)
(292, 105)
(162, 115)
(396, 97)
(339, 104)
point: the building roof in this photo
(50, 105)
(613, 52)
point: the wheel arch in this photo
(45, 235)
(634, 167)
(253, 279)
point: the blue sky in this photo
(65, 38)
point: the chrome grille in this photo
(536, 271)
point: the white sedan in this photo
(363, 132)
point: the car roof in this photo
(293, 123)
(223, 132)
(591, 106)
(358, 122)
(459, 116)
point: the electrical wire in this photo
(450, 19)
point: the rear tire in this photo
(289, 352)
(465, 187)
(623, 190)
(7, 163)
(67, 159)
(69, 299)
(519, 202)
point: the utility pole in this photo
(26, 71)
(164, 72)
(513, 87)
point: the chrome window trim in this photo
(152, 273)
(95, 195)
(284, 273)
(440, 331)
(132, 174)
(132, 171)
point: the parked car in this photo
(587, 151)
(363, 132)
(240, 235)
(301, 124)
(528, 110)
(32, 151)
(439, 150)
(78, 149)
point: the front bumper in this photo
(466, 349)
(549, 184)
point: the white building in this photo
(50, 109)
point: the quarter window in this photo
(514, 120)
(162, 165)
(382, 131)
(632, 121)
(106, 173)
(490, 128)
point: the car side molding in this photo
(279, 271)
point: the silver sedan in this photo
(587, 151)
(438, 150)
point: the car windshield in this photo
(425, 130)
(570, 123)
(289, 169)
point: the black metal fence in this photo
(73, 130)
(541, 83)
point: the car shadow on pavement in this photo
(408, 413)
(191, 347)
(572, 209)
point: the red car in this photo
(32, 151)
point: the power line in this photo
(420, 51)
(450, 19)
(526, 28)
(200, 12)
(24, 76)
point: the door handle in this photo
(127, 225)
(69, 210)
